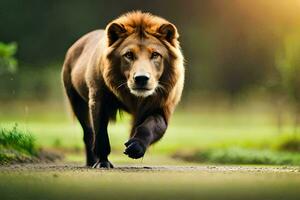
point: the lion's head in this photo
(142, 51)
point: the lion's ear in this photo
(169, 33)
(114, 32)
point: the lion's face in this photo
(139, 50)
(142, 64)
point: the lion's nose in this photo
(141, 79)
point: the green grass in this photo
(244, 156)
(16, 145)
(17, 139)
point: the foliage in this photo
(288, 143)
(7, 60)
(228, 46)
(16, 144)
(288, 65)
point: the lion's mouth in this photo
(141, 91)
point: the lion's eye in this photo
(129, 55)
(155, 55)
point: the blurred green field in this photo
(190, 129)
(187, 130)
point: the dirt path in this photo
(76, 168)
(71, 181)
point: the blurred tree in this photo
(7, 61)
(244, 48)
(244, 62)
(228, 45)
(288, 65)
(44, 30)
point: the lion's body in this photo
(95, 86)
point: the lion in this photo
(134, 65)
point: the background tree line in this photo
(231, 47)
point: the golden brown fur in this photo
(99, 78)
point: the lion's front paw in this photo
(135, 148)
